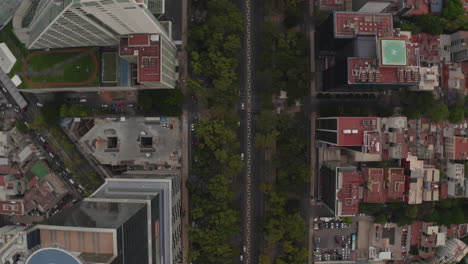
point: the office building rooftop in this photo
(147, 49)
(353, 24)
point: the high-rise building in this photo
(453, 252)
(77, 23)
(7, 10)
(340, 185)
(127, 220)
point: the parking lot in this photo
(333, 239)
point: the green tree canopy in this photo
(453, 9)
(438, 112)
(20, 126)
(457, 114)
(430, 24)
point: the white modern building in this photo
(77, 23)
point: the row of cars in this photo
(404, 239)
(332, 225)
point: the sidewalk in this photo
(185, 143)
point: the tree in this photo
(430, 24)
(438, 112)
(264, 259)
(410, 27)
(21, 126)
(51, 114)
(411, 212)
(381, 219)
(453, 9)
(457, 114)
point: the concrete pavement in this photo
(183, 65)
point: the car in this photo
(194, 99)
(242, 106)
(192, 127)
(244, 248)
(83, 100)
(51, 155)
(39, 104)
(241, 258)
(113, 105)
(121, 105)
(195, 117)
(318, 239)
(42, 139)
(4, 89)
(16, 109)
(104, 105)
(130, 105)
(165, 125)
(9, 105)
(23, 109)
(242, 156)
(26, 123)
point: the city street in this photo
(56, 159)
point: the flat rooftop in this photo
(393, 52)
(347, 196)
(375, 191)
(352, 131)
(396, 184)
(368, 71)
(461, 148)
(147, 50)
(162, 145)
(94, 214)
(79, 241)
(353, 24)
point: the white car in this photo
(244, 248)
(39, 104)
(242, 156)
(192, 127)
(242, 106)
(4, 89)
(104, 105)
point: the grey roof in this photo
(7, 10)
(12, 89)
(436, 6)
(365, 47)
(91, 214)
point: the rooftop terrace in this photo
(353, 24)
(147, 50)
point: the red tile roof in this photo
(11, 207)
(357, 131)
(416, 232)
(420, 7)
(461, 148)
(352, 24)
(396, 184)
(349, 193)
(7, 169)
(332, 5)
(375, 191)
(147, 49)
(443, 190)
(428, 46)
